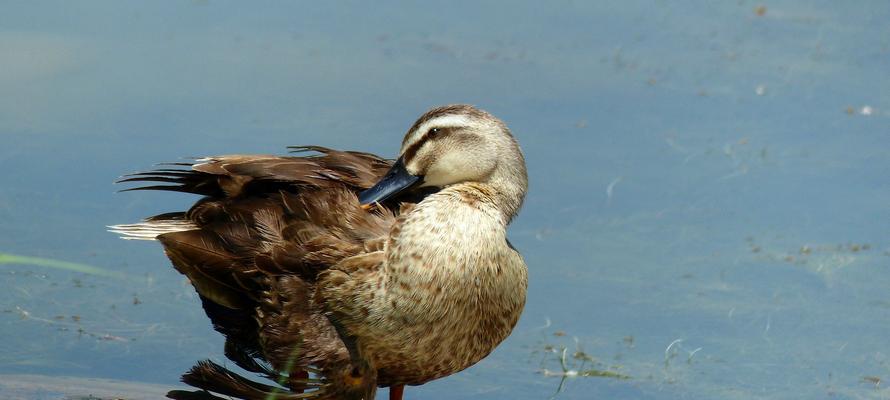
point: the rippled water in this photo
(709, 200)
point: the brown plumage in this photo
(305, 281)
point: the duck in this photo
(332, 273)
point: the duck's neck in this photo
(502, 199)
(508, 191)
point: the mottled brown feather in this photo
(266, 229)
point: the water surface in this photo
(709, 201)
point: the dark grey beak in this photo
(395, 181)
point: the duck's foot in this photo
(395, 392)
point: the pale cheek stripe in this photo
(445, 122)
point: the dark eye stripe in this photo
(412, 150)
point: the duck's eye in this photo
(433, 131)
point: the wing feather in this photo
(255, 246)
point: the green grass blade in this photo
(6, 258)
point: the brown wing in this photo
(256, 244)
(234, 175)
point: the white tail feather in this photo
(150, 230)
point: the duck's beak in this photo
(395, 181)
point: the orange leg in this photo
(395, 392)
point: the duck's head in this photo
(456, 144)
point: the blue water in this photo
(709, 200)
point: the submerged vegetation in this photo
(14, 259)
(575, 363)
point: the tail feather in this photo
(151, 228)
(193, 395)
(212, 377)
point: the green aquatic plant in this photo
(578, 364)
(7, 258)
